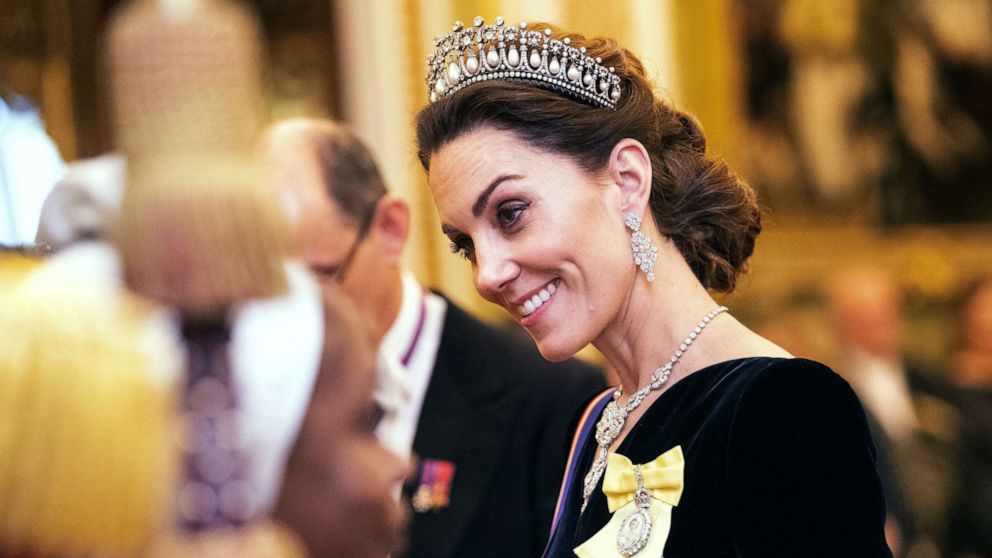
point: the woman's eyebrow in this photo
(483, 199)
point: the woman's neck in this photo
(653, 322)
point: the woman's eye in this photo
(462, 245)
(509, 213)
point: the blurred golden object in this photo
(13, 268)
(185, 77)
(198, 230)
(86, 403)
(200, 234)
(264, 540)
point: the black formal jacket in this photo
(502, 415)
(779, 463)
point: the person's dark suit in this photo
(503, 416)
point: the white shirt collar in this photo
(402, 388)
(404, 330)
(882, 386)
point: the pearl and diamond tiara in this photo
(514, 53)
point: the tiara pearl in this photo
(514, 53)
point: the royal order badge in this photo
(641, 499)
(636, 527)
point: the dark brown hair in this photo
(709, 213)
(349, 171)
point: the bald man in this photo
(907, 407)
(866, 309)
(484, 416)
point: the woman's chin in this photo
(557, 350)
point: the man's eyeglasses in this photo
(363, 231)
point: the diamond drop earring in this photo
(644, 252)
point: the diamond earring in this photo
(644, 252)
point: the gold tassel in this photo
(199, 230)
(201, 234)
(86, 422)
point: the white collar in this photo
(404, 331)
(402, 388)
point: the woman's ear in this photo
(630, 169)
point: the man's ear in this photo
(390, 226)
(630, 170)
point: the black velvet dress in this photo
(778, 462)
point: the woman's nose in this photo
(494, 271)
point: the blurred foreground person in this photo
(198, 234)
(83, 205)
(275, 342)
(89, 385)
(338, 490)
(970, 518)
(485, 415)
(198, 241)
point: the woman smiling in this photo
(590, 211)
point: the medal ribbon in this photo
(441, 494)
(582, 434)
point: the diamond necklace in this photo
(615, 417)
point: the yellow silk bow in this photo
(663, 477)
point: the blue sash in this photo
(582, 431)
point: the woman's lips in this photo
(538, 299)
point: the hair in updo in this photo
(708, 212)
